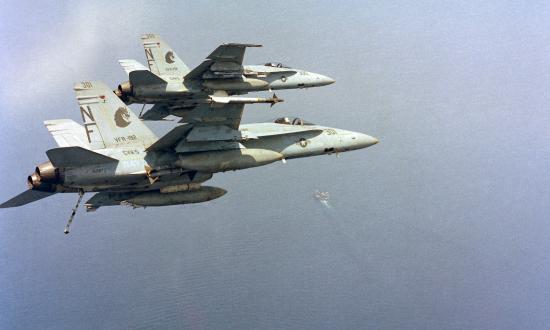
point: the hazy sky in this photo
(442, 225)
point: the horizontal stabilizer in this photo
(76, 156)
(26, 197)
(130, 65)
(67, 133)
(145, 78)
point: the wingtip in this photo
(242, 45)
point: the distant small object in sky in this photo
(321, 195)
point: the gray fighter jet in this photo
(117, 156)
(218, 80)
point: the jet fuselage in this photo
(139, 170)
(254, 79)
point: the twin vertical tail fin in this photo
(162, 60)
(108, 122)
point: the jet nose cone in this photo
(364, 140)
(316, 80)
(324, 80)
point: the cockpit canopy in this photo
(276, 65)
(292, 121)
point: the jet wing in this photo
(226, 61)
(230, 53)
(228, 115)
(205, 114)
(170, 139)
(204, 123)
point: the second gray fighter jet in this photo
(219, 79)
